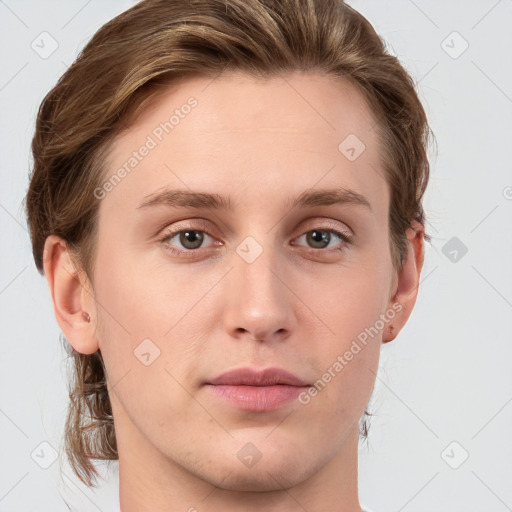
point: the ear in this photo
(72, 296)
(406, 283)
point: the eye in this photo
(322, 238)
(188, 239)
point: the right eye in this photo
(190, 239)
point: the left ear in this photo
(406, 283)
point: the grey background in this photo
(444, 388)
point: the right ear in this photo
(72, 296)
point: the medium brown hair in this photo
(129, 61)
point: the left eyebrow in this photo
(308, 199)
(328, 197)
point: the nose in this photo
(258, 305)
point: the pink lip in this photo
(257, 390)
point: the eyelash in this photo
(344, 236)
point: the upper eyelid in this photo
(204, 225)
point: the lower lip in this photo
(257, 398)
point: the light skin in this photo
(261, 144)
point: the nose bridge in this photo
(256, 267)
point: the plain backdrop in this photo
(440, 438)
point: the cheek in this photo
(144, 298)
(152, 320)
(347, 335)
(147, 345)
(348, 299)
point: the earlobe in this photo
(67, 292)
(407, 282)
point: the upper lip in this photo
(257, 377)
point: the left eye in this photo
(321, 238)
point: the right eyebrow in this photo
(185, 198)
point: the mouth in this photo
(257, 390)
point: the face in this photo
(281, 265)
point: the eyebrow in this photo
(187, 199)
(308, 199)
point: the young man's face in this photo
(259, 283)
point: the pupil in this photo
(320, 237)
(191, 239)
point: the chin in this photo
(265, 478)
(273, 468)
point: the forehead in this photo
(238, 133)
(237, 102)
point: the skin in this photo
(260, 143)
